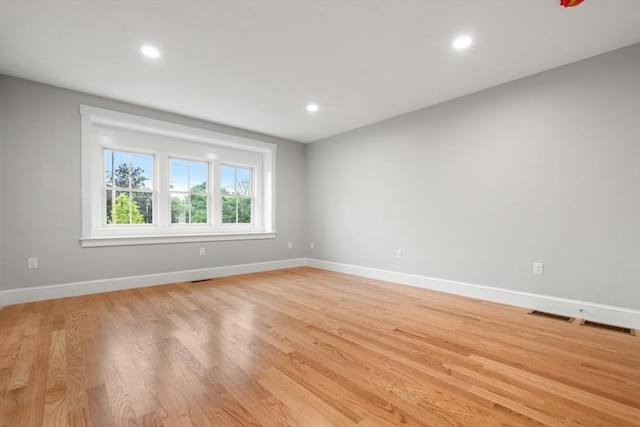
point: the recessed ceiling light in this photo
(462, 42)
(312, 108)
(150, 51)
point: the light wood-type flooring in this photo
(307, 347)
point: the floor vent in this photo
(620, 329)
(551, 316)
(198, 281)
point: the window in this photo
(236, 195)
(189, 197)
(146, 181)
(129, 190)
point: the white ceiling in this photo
(256, 64)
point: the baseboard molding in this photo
(590, 311)
(619, 316)
(40, 293)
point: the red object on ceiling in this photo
(570, 3)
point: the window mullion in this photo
(253, 199)
(216, 199)
(162, 190)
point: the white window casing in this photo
(105, 129)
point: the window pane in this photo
(108, 205)
(228, 210)
(189, 200)
(125, 210)
(117, 161)
(236, 195)
(108, 167)
(179, 180)
(121, 213)
(128, 170)
(180, 212)
(243, 181)
(199, 209)
(198, 172)
(228, 180)
(141, 168)
(144, 202)
(188, 175)
(236, 180)
(188, 209)
(244, 211)
(236, 210)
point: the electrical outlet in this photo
(538, 268)
(312, 245)
(202, 251)
(290, 245)
(32, 263)
(398, 253)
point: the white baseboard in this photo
(40, 293)
(612, 315)
(591, 311)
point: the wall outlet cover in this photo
(538, 268)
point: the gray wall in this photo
(2, 138)
(545, 169)
(40, 185)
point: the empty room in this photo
(320, 213)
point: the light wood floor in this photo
(306, 347)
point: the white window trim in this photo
(95, 234)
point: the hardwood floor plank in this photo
(375, 422)
(124, 413)
(223, 410)
(302, 407)
(55, 407)
(26, 353)
(79, 417)
(99, 408)
(76, 381)
(307, 347)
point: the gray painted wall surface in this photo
(40, 186)
(2, 138)
(545, 169)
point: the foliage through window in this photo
(189, 197)
(129, 187)
(236, 195)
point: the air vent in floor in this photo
(551, 316)
(198, 281)
(620, 329)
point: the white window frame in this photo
(106, 129)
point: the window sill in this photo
(92, 242)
